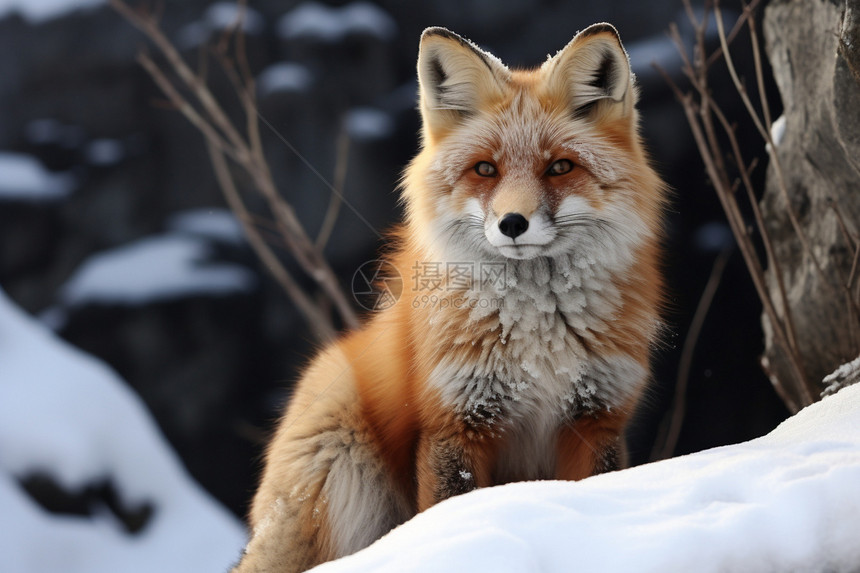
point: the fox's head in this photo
(527, 164)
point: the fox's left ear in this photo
(592, 71)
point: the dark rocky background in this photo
(215, 369)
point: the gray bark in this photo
(814, 48)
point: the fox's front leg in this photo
(451, 461)
(591, 444)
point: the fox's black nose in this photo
(513, 225)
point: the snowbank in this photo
(65, 414)
(788, 501)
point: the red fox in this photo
(538, 182)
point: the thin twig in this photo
(736, 223)
(182, 105)
(338, 182)
(763, 232)
(219, 131)
(150, 28)
(759, 76)
(738, 26)
(771, 147)
(853, 275)
(319, 323)
(834, 206)
(665, 446)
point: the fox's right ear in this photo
(455, 78)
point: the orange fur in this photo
(529, 371)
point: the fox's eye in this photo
(485, 169)
(560, 167)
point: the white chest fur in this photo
(534, 368)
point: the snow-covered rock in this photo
(216, 224)
(225, 15)
(788, 501)
(323, 23)
(66, 415)
(284, 77)
(154, 268)
(104, 152)
(219, 17)
(23, 178)
(38, 11)
(367, 123)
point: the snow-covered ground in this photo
(788, 501)
(67, 415)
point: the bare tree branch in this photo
(314, 318)
(700, 115)
(224, 139)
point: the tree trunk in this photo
(814, 49)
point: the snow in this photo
(151, 269)
(217, 224)
(847, 369)
(38, 11)
(23, 178)
(777, 130)
(218, 17)
(224, 15)
(50, 131)
(284, 77)
(788, 501)
(845, 375)
(104, 152)
(66, 414)
(327, 24)
(367, 123)
(659, 50)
